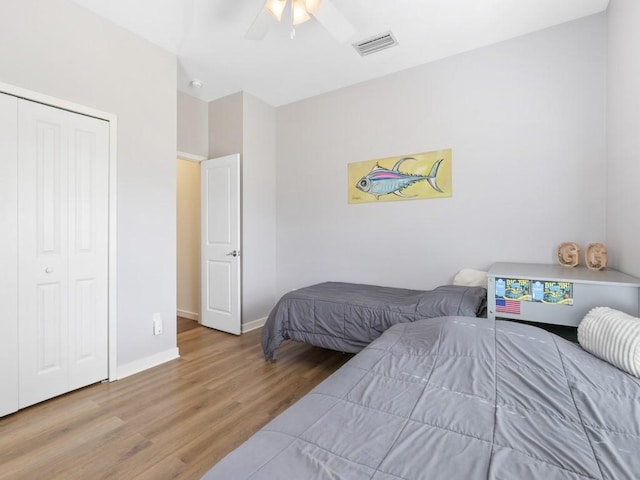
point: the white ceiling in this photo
(208, 38)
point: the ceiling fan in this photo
(300, 11)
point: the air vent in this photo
(376, 43)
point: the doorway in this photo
(223, 273)
(188, 237)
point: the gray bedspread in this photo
(348, 316)
(455, 398)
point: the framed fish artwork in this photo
(416, 176)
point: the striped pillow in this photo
(613, 336)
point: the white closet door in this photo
(8, 254)
(62, 300)
(88, 250)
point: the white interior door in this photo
(63, 251)
(220, 230)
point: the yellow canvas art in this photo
(409, 177)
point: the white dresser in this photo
(555, 294)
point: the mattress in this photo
(348, 316)
(455, 398)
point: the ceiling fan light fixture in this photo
(312, 5)
(275, 8)
(300, 14)
(300, 11)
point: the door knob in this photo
(48, 270)
(235, 253)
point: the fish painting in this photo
(383, 181)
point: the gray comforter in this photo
(348, 316)
(455, 398)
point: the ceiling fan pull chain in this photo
(292, 34)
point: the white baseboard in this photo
(189, 315)
(247, 327)
(142, 364)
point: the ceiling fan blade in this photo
(260, 26)
(334, 21)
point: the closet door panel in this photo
(54, 200)
(8, 254)
(43, 226)
(88, 251)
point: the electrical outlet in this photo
(157, 324)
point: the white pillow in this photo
(613, 336)
(471, 278)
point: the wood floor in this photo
(174, 421)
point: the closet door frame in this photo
(113, 144)
(9, 352)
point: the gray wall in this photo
(193, 138)
(226, 125)
(258, 209)
(241, 123)
(526, 121)
(193, 125)
(57, 48)
(623, 135)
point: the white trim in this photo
(253, 325)
(55, 102)
(142, 364)
(113, 162)
(189, 157)
(189, 315)
(113, 240)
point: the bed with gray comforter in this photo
(347, 317)
(455, 398)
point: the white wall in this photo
(193, 125)
(623, 138)
(526, 121)
(57, 48)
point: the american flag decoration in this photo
(507, 306)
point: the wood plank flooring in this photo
(174, 421)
